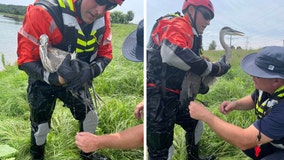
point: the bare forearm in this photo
(234, 135)
(237, 136)
(128, 139)
(245, 103)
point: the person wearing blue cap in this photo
(132, 137)
(264, 139)
(132, 48)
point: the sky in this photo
(129, 5)
(262, 21)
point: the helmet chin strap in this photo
(193, 20)
(78, 8)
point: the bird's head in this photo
(230, 31)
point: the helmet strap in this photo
(78, 8)
(193, 19)
(194, 22)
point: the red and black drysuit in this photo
(173, 49)
(61, 21)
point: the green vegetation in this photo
(235, 84)
(120, 17)
(13, 9)
(3, 60)
(120, 86)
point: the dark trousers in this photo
(163, 112)
(42, 100)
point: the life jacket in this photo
(264, 106)
(75, 39)
(161, 74)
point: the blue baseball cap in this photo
(267, 63)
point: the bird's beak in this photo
(235, 32)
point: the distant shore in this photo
(15, 17)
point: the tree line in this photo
(116, 16)
(213, 46)
(13, 9)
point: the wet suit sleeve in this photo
(105, 49)
(37, 22)
(176, 41)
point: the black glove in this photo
(53, 79)
(223, 66)
(85, 75)
(68, 70)
(203, 89)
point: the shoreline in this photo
(14, 17)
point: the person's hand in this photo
(198, 111)
(226, 107)
(61, 80)
(85, 75)
(67, 72)
(87, 142)
(138, 112)
(223, 66)
(53, 78)
(74, 73)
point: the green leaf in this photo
(6, 151)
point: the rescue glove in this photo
(84, 76)
(203, 89)
(223, 66)
(67, 70)
(53, 78)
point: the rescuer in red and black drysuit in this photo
(173, 49)
(81, 26)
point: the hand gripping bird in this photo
(193, 83)
(52, 58)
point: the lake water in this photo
(8, 41)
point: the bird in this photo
(52, 58)
(194, 84)
(228, 31)
(209, 80)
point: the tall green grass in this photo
(120, 86)
(234, 85)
